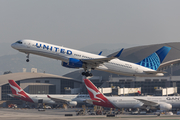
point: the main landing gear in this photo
(87, 71)
(87, 74)
(27, 60)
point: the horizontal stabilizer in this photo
(169, 64)
(14, 95)
(154, 72)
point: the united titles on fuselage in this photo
(56, 49)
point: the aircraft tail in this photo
(154, 60)
(19, 93)
(96, 96)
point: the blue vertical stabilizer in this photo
(154, 60)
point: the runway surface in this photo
(59, 114)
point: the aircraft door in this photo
(28, 45)
(136, 70)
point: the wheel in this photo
(83, 73)
(90, 74)
(27, 60)
(86, 74)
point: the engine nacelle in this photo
(64, 64)
(165, 106)
(73, 63)
(72, 103)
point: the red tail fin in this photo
(16, 90)
(95, 94)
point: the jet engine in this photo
(72, 63)
(72, 103)
(165, 106)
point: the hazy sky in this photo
(78, 23)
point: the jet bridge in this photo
(124, 91)
(165, 91)
(119, 91)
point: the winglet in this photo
(48, 96)
(100, 53)
(119, 53)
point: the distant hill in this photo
(106, 48)
(6, 49)
(16, 63)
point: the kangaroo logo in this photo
(95, 93)
(17, 90)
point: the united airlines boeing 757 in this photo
(78, 59)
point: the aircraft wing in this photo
(91, 101)
(59, 100)
(147, 102)
(98, 61)
(168, 64)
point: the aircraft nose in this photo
(13, 45)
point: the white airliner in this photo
(71, 100)
(78, 59)
(164, 103)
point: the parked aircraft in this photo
(71, 100)
(163, 103)
(79, 59)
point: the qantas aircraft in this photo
(164, 103)
(78, 59)
(71, 100)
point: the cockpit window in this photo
(19, 42)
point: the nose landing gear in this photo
(27, 60)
